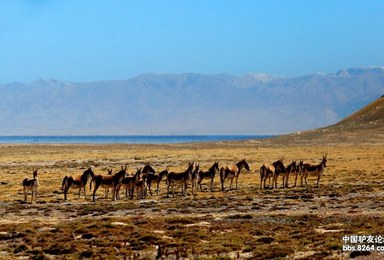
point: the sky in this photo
(91, 40)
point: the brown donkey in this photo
(183, 178)
(108, 181)
(32, 185)
(77, 182)
(129, 183)
(232, 172)
(208, 174)
(268, 171)
(314, 170)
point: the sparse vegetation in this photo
(245, 223)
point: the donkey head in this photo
(324, 161)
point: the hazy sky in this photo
(91, 40)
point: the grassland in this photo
(297, 223)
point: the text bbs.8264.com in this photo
(363, 243)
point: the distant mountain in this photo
(187, 103)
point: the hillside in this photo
(187, 103)
(365, 126)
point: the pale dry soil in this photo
(292, 223)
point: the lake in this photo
(128, 139)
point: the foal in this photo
(298, 171)
(141, 187)
(194, 179)
(77, 182)
(32, 185)
(208, 174)
(291, 169)
(231, 172)
(182, 178)
(129, 183)
(158, 178)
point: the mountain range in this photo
(187, 103)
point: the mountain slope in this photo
(365, 126)
(187, 103)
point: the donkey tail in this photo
(65, 183)
(222, 173)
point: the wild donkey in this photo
(77, 182)
(32, 185)
(231, 172)
(208, 174)
(291, 168)
(314, 170)
(129, 183)
(150, 176)
(298, 171)
(268, 171)
(108, 181)
(194, 179)
(183, 178)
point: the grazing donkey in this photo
(268, 171)
(108, 181)
(208, 174)
(231, 172)
(32, 185)
(314, 170)
(77, 182)
(182, 178)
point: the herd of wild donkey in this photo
(143, 179)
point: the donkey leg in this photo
(168, 189)
(94, 191)
(65, 193)
(85, 193)
(149, 188)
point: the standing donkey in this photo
(314, 170)
(77, 182)
(208, 174)
(108, 181)
(232, 172)
(32, 185)
(183, 178)
(268, 171)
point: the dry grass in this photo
(296, 222)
